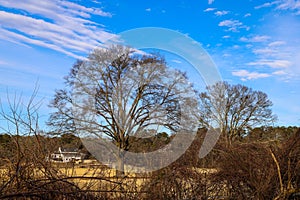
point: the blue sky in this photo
(252, 42)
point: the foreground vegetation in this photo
(256, 167)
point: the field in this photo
(98, 178)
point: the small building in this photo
(66, 156)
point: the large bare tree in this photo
(117, 93)
(234, 109)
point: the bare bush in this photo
(25, 172)
(259, 170)
(183, 179)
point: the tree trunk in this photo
(228, 139)
(120, 164)
(282, 192)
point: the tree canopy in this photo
(117, 93)
(234, 109)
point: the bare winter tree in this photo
(234, 109)
(117, 93)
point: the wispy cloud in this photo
(148, 9)
(209, 9)
(260, 38)
(59, 25)
(246, 75)
(290, 5)
(265, 51)
(247, 15)
(54, 9)
(272, 63)
(280, 72)
(210, 1)
(221, 13)
(257, 38)
(272, 53)
(233, 25)
(266, 5)
(277, 43)
(97, 2)
(2, 62)
(177, 61)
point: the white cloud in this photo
(226, 36)
(265, 5)
(272, 53)
(2, 62)
(265, 51)
(278, 56)
(244, 39)
(291, 5)
(247, 15)
(221, 13)
(273, 48)
(148, 9)
(18, 38)
(177, 61)
(233, 25)
(54, 9)
(226, 55)
(272, 63)
(246, 75)
(257, 38)
(96, 2)
(277, 43)
(280, 72)
(76, 8)
(210, 1)
(230, 23)
(209, 9)
(59, 25)
(261, 38)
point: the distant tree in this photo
(234, 109)
(130, 94)
(5, 138)
(270, 133)
(70, 141)
(148, 144)
(5, 147)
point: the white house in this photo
(66, 156)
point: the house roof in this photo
(71, 154)
(69, 150)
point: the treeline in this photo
(71, 141)
(8, 143)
